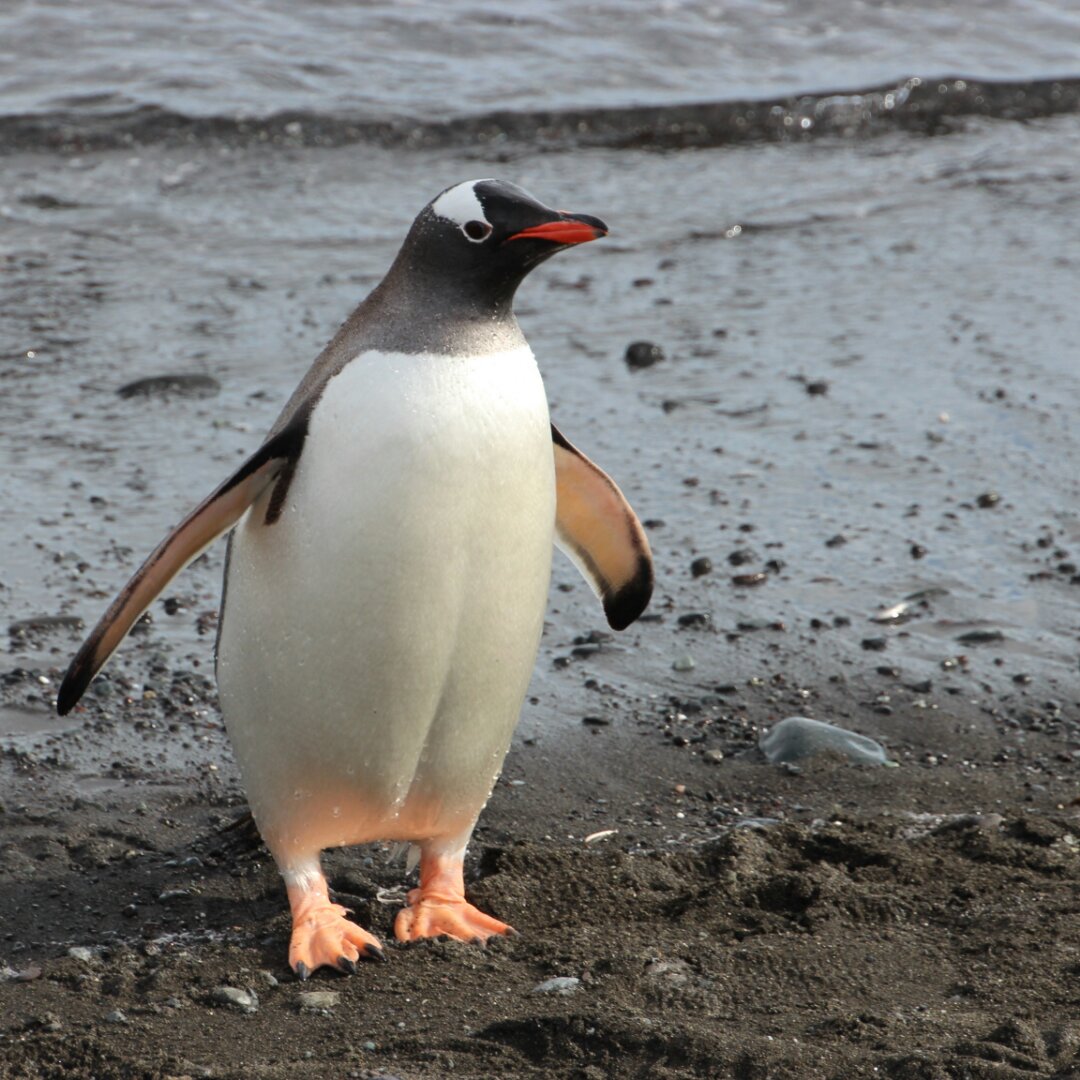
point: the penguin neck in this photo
(440, 314)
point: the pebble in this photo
(749, 581)
(642, 354)
(317, 1000)
(564, 984)
(980, 637)
(596, 721)
(44, 624)
(684, 663)
(235, 998)
(701, 566)
(874, 644)
(987, 500)
(81, 952)
(713, 756)
(694, 618)
(799, 737)
(117, 1016)
(199, 386)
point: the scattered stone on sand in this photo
(684, 663)
(117, 1016)
(196, 386)
(713, 756)
(233, 997)
(987, 500)
(875, 644)
(695, 619)
(83, 953)
(595, 721)
(563, 984)
(980, 637)
(839, 540)
(317, 1000)
(749, 581)
(701, 566)
(742, 556)
(799, 737)
(642, 354)
(672, 972)
(44, 624)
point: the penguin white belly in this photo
(378, 638)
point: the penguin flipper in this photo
(600, 533)
(212, 518)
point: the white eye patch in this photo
(460, 205)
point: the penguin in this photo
(388, 570)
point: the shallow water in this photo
(426, 60)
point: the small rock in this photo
(564, 984)
(980, 637)
(917, 551)
(839, 540)
(713, 756)
(82, 952)
(874, 644)
(742, 556)
(244, 1000)
(317, 1000)
(817, 387)
(702, 566)
(674, 972)
(642, 354)
(799, 737)
(197, 386)
(595, 721)
(684, 663)
(117, 1016)
(988, 500)
(749, 581)
(694, 618)
(44, 624)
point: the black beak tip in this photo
(595, 222)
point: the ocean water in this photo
(427, 62)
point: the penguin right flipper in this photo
(596, 528)
(212, 518)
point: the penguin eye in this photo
(476, 230)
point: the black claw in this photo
(375, 952)
(347, 965)
(302, 972)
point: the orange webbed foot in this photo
(461, 920)
(323, 937)
(438, 907)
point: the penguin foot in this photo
(323, 937)
(433, 916)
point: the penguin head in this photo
(482, 237)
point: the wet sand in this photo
(867, 395)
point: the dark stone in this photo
(701, 566)
(642, 354)
(196, 386)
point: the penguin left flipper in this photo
(211, 519)
(598, 531)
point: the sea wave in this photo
(927, 106)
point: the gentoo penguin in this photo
(387, 576)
